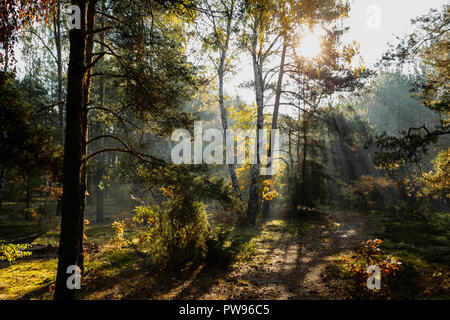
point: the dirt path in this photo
(286, 265)
(294, 267)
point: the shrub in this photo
(176, 233)
(356, 267)
(12, 252)
(370, 193)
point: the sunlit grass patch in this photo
(28, 279)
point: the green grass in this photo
(423, 248)
(29, 278)
(242, 243)
(425, 241)
(11, 229)
(33, 277)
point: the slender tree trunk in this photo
(254, 202)
(90, 24)
(57, 35)
(223, 113)
(305, 144)
(100, 170)
(28, 196)
(291, 158)
(266, 203)
(99, 195)
(72, 218)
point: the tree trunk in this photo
(89, 48)
(305, 144)
(28, 196)
(72, 218)
(99, 201)
(100, 170)
(6, 49)
(223, 113)
(57, 35)
(266, 204)
(254, 202)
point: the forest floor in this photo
(279, 259)
(288, 262)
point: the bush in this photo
(356, 268)
(177, 233)
(370, 193)
(12, 252)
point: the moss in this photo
(28, 279)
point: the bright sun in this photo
(310, 44)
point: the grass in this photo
(425, 241)
(11, 229)
(27, 279)
(423, 248)
(241, 243)
(33, 277)
(421, 245)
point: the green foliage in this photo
(427, 45)
(437, 181)
(306, 191)
(12, 252)
(175, 234)
(370, 193)
(25, 144)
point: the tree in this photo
(224, 18)
(429, 43)
(292, 15)
(14, 17)
(25, 145)
(153, 89)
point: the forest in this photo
(222, 150)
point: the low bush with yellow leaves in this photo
(11, 252)
(356, 266)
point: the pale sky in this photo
(394, 20)
(395, 16)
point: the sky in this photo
(394, 20)
(373, 23)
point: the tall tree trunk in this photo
(100, 170)
(28, 196)
(254, 201)
(57, 35)
(72, 218)
(305, 144)
(90, 24)
(99, 194)
(223, 113)
(291, 157)
(266, 204)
